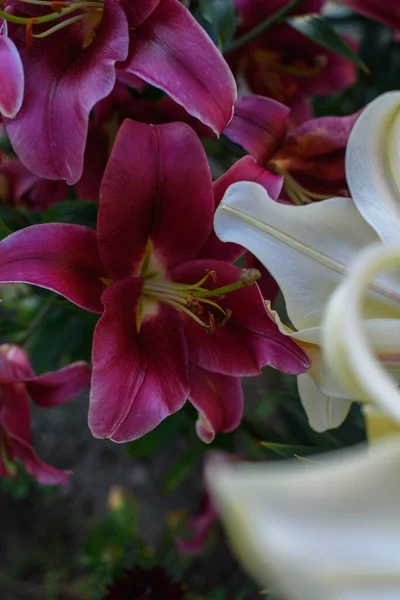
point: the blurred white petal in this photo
(320, 531)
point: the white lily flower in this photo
(318, 530)
(308, 250)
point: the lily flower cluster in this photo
(121, 99)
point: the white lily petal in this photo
(323, 412)
(320, 531)
(306, 248)
(372, 165)
(346, 347)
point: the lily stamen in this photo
(176, 294)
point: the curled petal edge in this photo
(346, 349)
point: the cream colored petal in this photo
(347, 349)
(326, 531)
(306, 248)
(372, 165)
(323, 412)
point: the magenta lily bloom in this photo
(11, 76)
(70, 56)
(285, 65)
(310, 159)
(173, 307)
(18, 382)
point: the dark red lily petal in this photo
(55, 112)
(11, 78)
(171, 51)
(157, 186)
(138, 11)
(259, 125)
(245, 169)
(267, 284)
(249, 340)
(58, 387)
(41, 471)
(387, 12)
(139, 379)
(219, 400)
(16, 423)
(95, 160)
(60, 257)
(15, 180)
(15, 417)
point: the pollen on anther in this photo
(213, 275)
(211, 326)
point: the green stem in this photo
(251, 35)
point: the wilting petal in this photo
(259, 124)
(387, 12)
(57, 387)
(345, 341)
(171, 51)
(249, 340)
(157, 186)
(58, 256)
(139, 379)
(306, 248)
(219, 400)
(323, 412)
(308, 527)
(245, 169)
(49, 132)
(11, 78)
(316, 150)
(372, 158)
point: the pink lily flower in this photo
(310, 159)
(172, 304)
(18, 382)
(70, 52)
(387, 12)
(285, 65)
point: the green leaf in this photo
(80, 212)
(157, 439)
(221, 14)
(4, 230)
(319, 31)
(288, 450)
